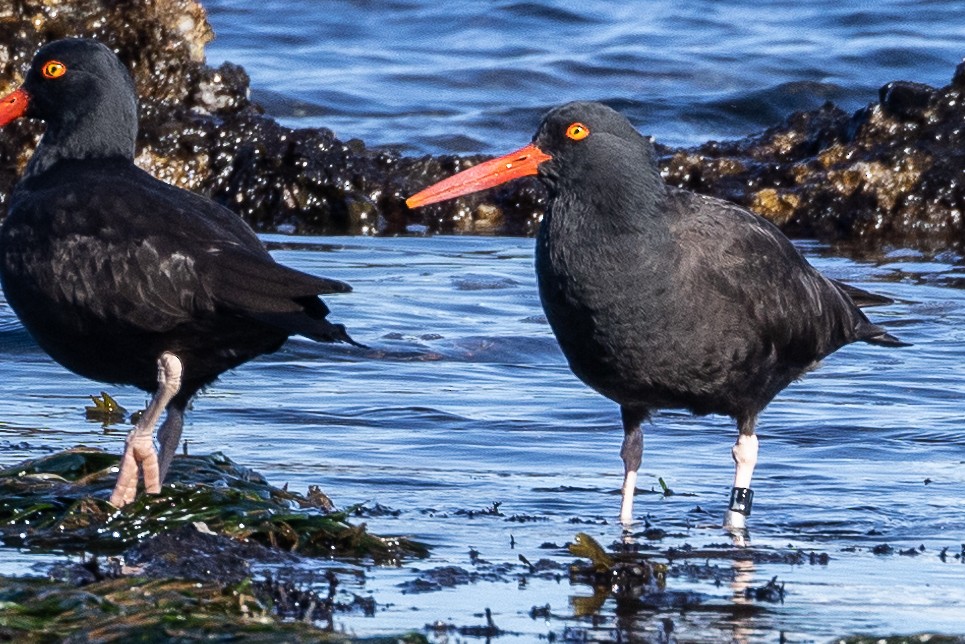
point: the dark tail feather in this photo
(861, 297)
(874, 334)
(334, 333)
(320, 330)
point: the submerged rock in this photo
(893, 173)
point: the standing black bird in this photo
(662, 298)
(125, 279)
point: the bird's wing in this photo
(153, 257)
(729, 255)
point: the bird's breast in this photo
(598, 302)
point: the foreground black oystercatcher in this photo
(125, 279)
(662, 298)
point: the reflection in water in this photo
(740, 585)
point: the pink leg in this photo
(139, 451)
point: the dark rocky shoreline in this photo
(890, 175)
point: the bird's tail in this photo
(861, 297)
(316, 328)
(330, 333)
(874, 334)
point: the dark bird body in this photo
(109, 268)
(661, 298)
(672, 316)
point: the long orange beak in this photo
(13, 106)
(523, 162)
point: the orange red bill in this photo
(523, 162)
(13, 106)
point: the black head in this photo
(592, 145)
(587, 148)
(86, 97)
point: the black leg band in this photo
(741, 499)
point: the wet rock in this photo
(623, 574)
(770, 592)
(891, 174)
(188, 552)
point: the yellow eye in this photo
(577, 131)
(54, 69)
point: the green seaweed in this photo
(624, 575)
(59, 502)
(131, 609)
(586, 546)
(664, 487)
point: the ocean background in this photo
(465, 401)
(475, 77)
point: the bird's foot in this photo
(139, 452)
(139, 455)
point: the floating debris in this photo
(769, 592)
(625, 575)
(105, 410)
(488, 630)
(586, 546)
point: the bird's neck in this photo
(620, 205)
(88, 136)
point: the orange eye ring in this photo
(577, 131)
(54, 69)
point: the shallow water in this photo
(464, 400)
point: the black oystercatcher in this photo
(125, 279)
(662, 298)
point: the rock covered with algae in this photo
(129, 609)
(890, 174)
(628, 577)
(177, 565)
(59, 502)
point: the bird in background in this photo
(661, 298)
(125, 279)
